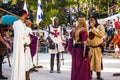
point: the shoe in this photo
(51, 71)
(116, 74)
(100, 78)
(3, 77)
(58, 71)
(33, 70)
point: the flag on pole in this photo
(40, 15)
(25, 8)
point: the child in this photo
(116, 41)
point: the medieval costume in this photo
(20, 37)
(95, 40)
(28, 58)
(58, 47)
(55, 43)
(18, 64)
(97, 52)
(77, 47)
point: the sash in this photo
(33, 44)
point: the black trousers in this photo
(52, 61)
(1, 61)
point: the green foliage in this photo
(56, 8)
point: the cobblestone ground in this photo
(111, 65)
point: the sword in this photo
(62, 58)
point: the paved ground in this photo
(111, 65)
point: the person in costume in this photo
(77, 47)
(54, 33)
(95, 41)
(3, 46)
(28, 57)
(18, 62)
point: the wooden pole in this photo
(38, 66)
(9, 12)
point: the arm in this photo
(84, 37)
(99, 32)
(4, 42)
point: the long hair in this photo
(82, 23)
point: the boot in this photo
(52, 63)
(58, 66)
(58, 69)
(27, 75)
(51, 69)
(3, 77)
(99, 76)
(58, 63)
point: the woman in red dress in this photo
(80, 59)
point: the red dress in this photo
(116, 39)
(80, 68)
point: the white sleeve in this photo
(45, 35)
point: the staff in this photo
(9, 12)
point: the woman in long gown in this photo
(80, 71)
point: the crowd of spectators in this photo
(112, 36)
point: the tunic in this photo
(56, 39)
(28, 58)
(96, 60)
(18, 61)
